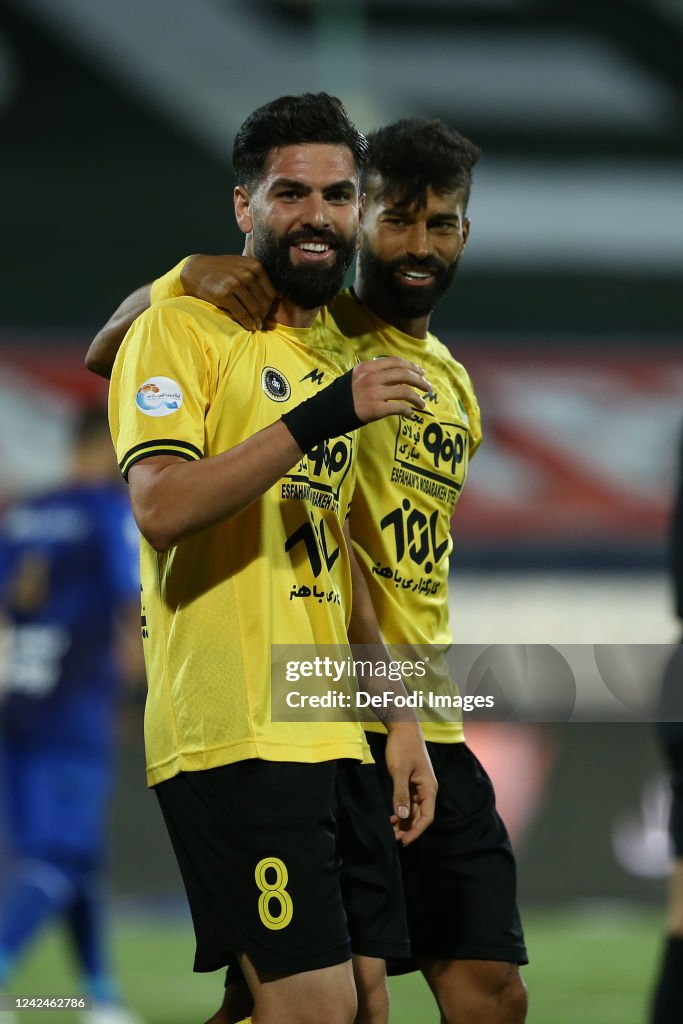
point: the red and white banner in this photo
(580, 447)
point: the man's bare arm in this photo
(106, 343)
(172, 499)
(406, 754)
(237, 284)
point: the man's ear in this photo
(465, 231)
(361, 218)
(243, 215)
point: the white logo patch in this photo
(159, 396)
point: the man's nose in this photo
(316, 212)
(419, 244)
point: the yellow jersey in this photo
(409, 477)
(189, 381)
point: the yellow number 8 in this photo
(275, 890)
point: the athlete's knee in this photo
(502, 986)
(373, 1007)
(370, 977)
(336, 1004)
(477, 989)
(372, 990)
(324, 1008)
(514, 998)
(316, 997)
(237, 1005)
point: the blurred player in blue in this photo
(69, 598)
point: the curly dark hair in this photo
(415, 154)
(291, 121)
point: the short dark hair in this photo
(291, 121)
(417, 153)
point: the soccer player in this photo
(241, 498)
(668, 998)
(68, 580)
(459, 878)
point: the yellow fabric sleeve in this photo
(169, 286)
(160, 386)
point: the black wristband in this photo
(328, 414)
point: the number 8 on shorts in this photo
(275, 890)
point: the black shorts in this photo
(293, 864)
(459, 877)
(671, 738)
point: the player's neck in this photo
(415, 327)
(286, 313)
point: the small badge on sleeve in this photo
(159, 396)
(275, 384)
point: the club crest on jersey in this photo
(275, 384)
(159, 396)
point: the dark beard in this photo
(381, 289)
(308, 287)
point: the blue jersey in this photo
(68, 562)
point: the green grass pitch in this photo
(589, 965)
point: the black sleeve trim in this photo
(160, 446)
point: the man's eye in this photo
(394, 222)
(290, 193)
(339, 197)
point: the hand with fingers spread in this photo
(237, 284)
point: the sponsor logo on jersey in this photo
(159, 396)
(431, 450)
(275, 384)
(315, 375)
(320, 473)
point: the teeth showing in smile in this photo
(419, 275)
(314, 246)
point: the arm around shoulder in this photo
(105, 345)
(100, 356)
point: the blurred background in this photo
(117, 123)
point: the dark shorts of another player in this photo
(293, 864)
(671, 738)
(459, 877)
